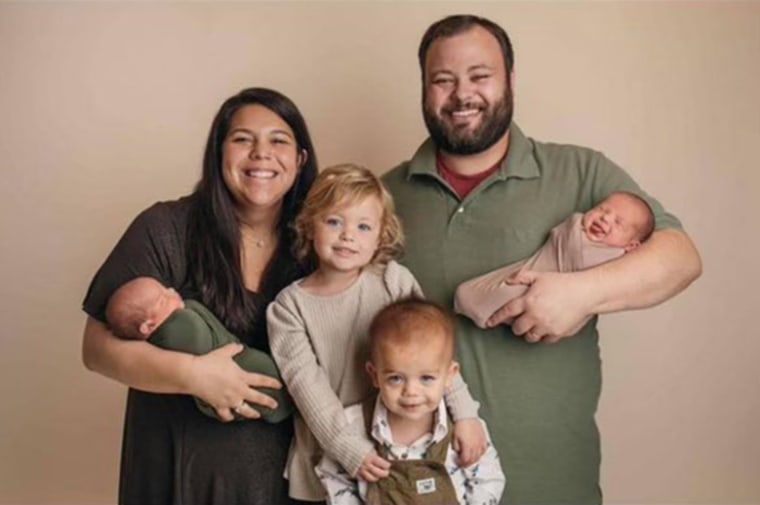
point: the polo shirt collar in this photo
(519, 162)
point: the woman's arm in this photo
(214, 377)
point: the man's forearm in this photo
(661, 268)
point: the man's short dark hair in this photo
(460, 23)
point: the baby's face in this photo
(165, 301)
(615, 222)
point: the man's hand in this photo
(555, 306)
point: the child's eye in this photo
(394, 379)
(427, 379)
(365, 227)
(332, 221)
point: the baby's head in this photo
(348, 219)
(622, 220)
(412, 357)
(140, 306)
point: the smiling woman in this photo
(261, 159)
(227, 245)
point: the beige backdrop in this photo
(105, 108)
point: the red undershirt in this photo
(463, 184)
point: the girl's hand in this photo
(469, 440)
(217, 380)
(373, 468)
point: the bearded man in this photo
(479, 194)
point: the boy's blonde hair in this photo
(339, 186)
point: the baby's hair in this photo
(411, 320)
(343, 185)
(126, 310)
(646, 229)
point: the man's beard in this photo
(494, 124)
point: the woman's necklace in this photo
(258, 242)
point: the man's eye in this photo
(480, 77)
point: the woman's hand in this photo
(219, 381)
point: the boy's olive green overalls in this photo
(412, 482)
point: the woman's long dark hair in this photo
(214, 232)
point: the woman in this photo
(228, 245)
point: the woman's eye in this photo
(240, 140)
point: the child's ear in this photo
(632, 245)
(372, 371)
(452, 371)
(147, 327)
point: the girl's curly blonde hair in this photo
(340, 186)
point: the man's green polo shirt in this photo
(539, 400)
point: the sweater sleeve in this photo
(310, 387)
(341, 488)
(401, 283)
(459, 401)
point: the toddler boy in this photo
(412, 363)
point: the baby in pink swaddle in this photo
(620, 223)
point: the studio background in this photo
(105, 109)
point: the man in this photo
(480, 194)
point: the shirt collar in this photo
(381, 430)
(519, 162)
